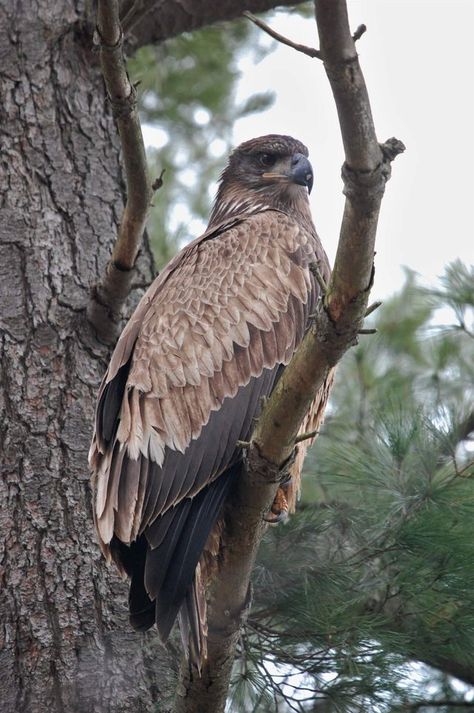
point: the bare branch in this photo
(461, 670)
(309, 51)
(230, 592)
(108, 296)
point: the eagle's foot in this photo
(279, 509)
(260, 469)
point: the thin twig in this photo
(461, 473)
(306, 436)
(309, 51)
(158, 182)
(436, 704)
(372, 330)
(243, 444)
(371, 308)
(359, 32)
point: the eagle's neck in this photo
(230, 204)
(232, 201)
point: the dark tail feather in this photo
(192, 619)
(132, 559)
(182, 589)
(141, 607)
(171, 570)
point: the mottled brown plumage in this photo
(207, 341)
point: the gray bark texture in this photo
(65, 642)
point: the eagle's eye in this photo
(267, 159)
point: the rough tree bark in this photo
(65, 644)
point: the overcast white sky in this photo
(418, 60)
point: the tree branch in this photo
(309, 51)
(340, 315)
(109, 294)
(448, 703)
(338, 319)
(230, 591)
(462, 671)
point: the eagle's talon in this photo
(275, 518)
(279, 510)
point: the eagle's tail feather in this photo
(192, 619)
(166, 580)
(180, 586)
(132, 558)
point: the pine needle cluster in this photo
(364, 601)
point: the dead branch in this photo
(371, 308)
(110, 293)
(309, 51)
(359, 32)
(338, 319)
(306, 436)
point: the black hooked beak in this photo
(301, 171)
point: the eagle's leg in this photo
(279, 509)
(280, 506)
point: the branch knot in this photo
(364, 186)
(263, 471)
(368, 186)
(391, 149)
(123, 107)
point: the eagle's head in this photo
(270, 171)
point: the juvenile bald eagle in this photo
(209, 338)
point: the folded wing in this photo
(207, 340)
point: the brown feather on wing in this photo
(162, 408)
(207, 340)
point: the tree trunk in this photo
(65, 642)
